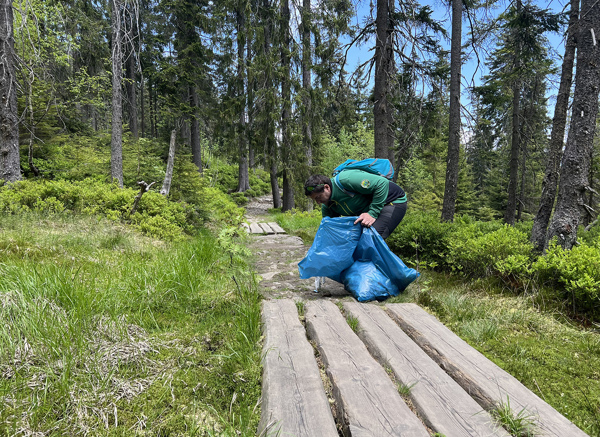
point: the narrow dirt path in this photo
(276, 259)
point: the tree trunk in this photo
(306, 90)
(521, 199)
(384, 70)
(243, 176)
(10, 169)
(286, 112)
(116, 145)
(271, 148)
(170, 163)
(559, 122)
(452, 160)
(32, 166)
(131, 89)
(575, 168)
(509, 214)
(142, 106)
(250, 87)
(195, 130)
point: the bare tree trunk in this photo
(250, 87)
(286, 114)
(271, 148)
(195, 130)
(142, 106)
(116, 145)
(10, 169)
(243, 176)
(452, 161)
(384, 70)
(131, 89)
(307, 116)
(170, 163)
(32, 166)
(521, 199)
(559, 122)
(509, 214)
(575, 169)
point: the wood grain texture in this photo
(278, 229)
(482, 379)
(266, 228)
(256, 229)
(442, 404)
(294, 402)
(366, 398)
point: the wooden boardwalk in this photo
(321, 378)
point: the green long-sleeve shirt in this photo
(365, 192)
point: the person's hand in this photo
(365, 219)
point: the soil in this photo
(276, 259)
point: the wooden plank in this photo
(266, 228)
(293, 398)
(366, 398)
(278, 229)
(442, 404)
(256, 229)
(486, 382)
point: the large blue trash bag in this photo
(372, 250)
(331, 252)
(366, 282)
(357, 257)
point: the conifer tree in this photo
(9, 139)
(574, 183)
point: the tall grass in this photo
(104, 331)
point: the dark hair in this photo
(316, 184)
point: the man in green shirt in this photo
(375, 200)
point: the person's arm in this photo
(368, 184)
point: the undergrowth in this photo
(108, 332)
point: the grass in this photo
(554, 356)
(405, 389)
(519, 424)
(301, 223)
(353, 323)
(107, 332)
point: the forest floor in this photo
(276, 259)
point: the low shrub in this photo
(575, 271)
(421, 239)
(155, 215)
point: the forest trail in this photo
(276, 258)
(333, 366)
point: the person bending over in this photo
(376, 201)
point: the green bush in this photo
(421, 239)
(505, 251)
(575, 271)
(155, 215)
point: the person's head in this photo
(318, 188)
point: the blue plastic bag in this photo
(357, 257)
(331, 252)
(366, 282)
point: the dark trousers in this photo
(389, 218)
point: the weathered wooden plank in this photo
(278, 229)
(486, 382)
(442, 404)
(366, 398)
(293, 398)
(266, 228)
(256, 229)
